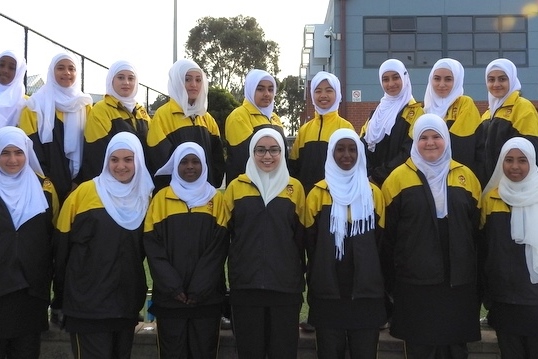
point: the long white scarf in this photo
(348, 189)
(335, 84)
(126, 203)
(69, 100)
(522, 197)
(128, 101)
(252, 81)
(178, 92)
(435, 104)
(196, 193)
(510, 70)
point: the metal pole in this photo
(175, 32)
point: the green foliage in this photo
(290, 103)
(227, 48)
(159, 101)
(220, 103)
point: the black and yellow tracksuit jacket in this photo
(467, 136)
(394, 149)
(516, 117)
(506, 272)
(51, 155)
(358, 274)
(411, 244)
(26, 253)
(186, 249)
(170, 127)
(266, 242)
(241, 124)
(99, 271)
(107, 118)
(309, 151)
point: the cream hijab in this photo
(270, 184)
(348, 189)
(384, 116)
(252, 80)
(126, 203)
(522, 197)
(197, 193)
(335, 84)
(69, 100)
(129, 101)
(12, 95)
(22, 192)
(435, 104)
(178, 92)
(510, 70)
(436, 172)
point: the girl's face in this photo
(190, 168)
(267, 154)
(12, 160)
(392, 83)
(442, 82)
(430, 145)
(8, 69)
(193, 84)
(345, 153)
(498, 83)
(124, 83)
(264, 94)
(121, 165)
(65, 73)
(516, 165)
(324, 95)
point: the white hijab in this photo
(22, 192)
(348, 189)
(436, 172)
(270, 184)
(522, 197)
(510, 70)
(197, 193)
(69, 100)
(12, 95)
(178, 92)
(128, 101)
(435, 104)
(384, 116)
(335, 84)
(252, 80)
(126, 203)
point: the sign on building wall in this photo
(356, 96)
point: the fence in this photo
(39, 51)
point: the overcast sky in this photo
(142, 31)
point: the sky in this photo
(142, 31)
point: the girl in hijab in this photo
(186, 243)
(28, 210)
(265, 213)
(12, 90)
(387, 133)
(184, 118)
(344, 219)
(117, 111)
(255, 113)
(99, 277)
(444, 97)
(58, 108)
(309, 150)
(509, 115)
(509, 215)
(429, 246)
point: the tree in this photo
(220, 104)
(227, 48)
(290, 103)
(159, 101)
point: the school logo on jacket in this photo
(461, 179)
(210, 206)
(289, 190)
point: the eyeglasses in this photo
(273, 151)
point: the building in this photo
(359, 35)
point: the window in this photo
(419, 41)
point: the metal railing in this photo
(39, 50)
